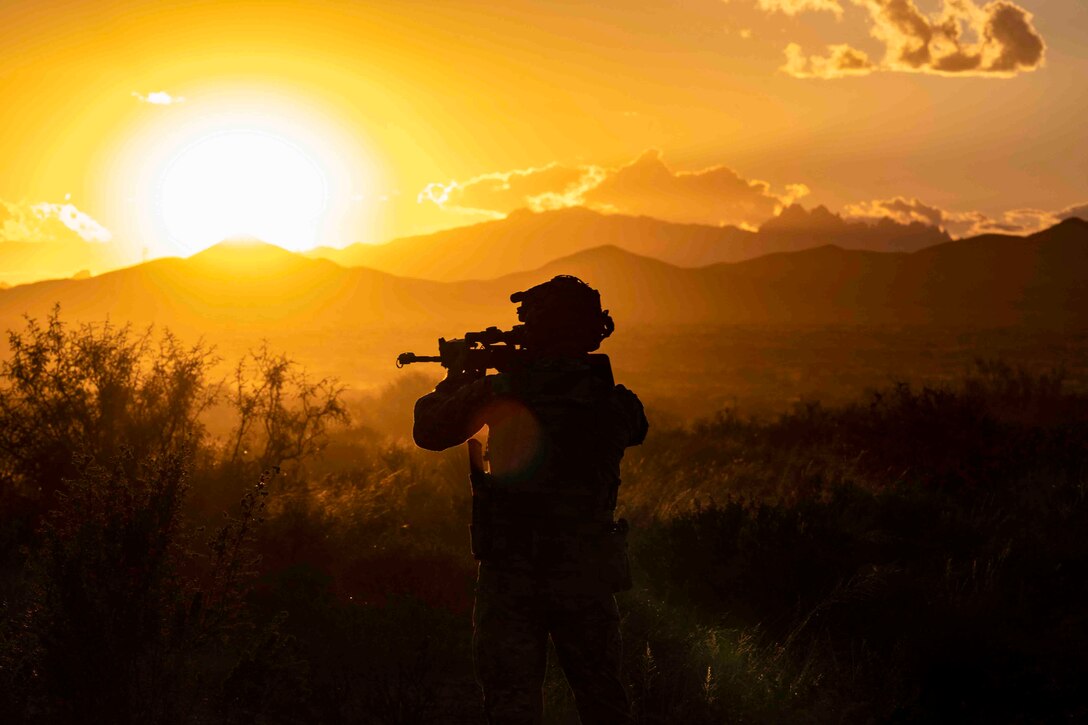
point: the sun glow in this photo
(243, 183)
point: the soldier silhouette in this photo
(550, 554)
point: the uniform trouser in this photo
(514, 614)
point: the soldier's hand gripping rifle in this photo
(476, 352)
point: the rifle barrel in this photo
(407, 358)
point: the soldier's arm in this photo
(452, 413)
(634, 416)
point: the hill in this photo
(991, 280)
(987, 280)
(525, 240)
(678, 323)
(336, 321)
(255, 287)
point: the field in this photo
(688, 371)
(908, 554)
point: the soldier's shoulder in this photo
(624, 393)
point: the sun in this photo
(242, 183)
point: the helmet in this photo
(564, 311)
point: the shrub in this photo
(92, 391)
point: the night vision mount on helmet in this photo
(565, 307)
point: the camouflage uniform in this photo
(557, 431)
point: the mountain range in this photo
(251, 289)
(526, 240)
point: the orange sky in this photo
(394, 99)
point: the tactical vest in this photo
(555, 446)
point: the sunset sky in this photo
(165, 127)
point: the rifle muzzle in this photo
(407, 358)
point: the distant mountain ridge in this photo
(989, 281)
(992, 280)
(22, 262)
(525, 240)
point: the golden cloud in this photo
(158, 98)
(793, 7)
(840, 62)
(572, 195)
(899, 209)
(497, 194)
(997, 39)
(956, 223)
(715, 195)
(1079, 211)
(47, 222)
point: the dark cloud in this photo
(956, 223)
(996, 39)
(1009, 29)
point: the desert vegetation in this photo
(178, 545)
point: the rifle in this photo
(493, 349)
(477, 352)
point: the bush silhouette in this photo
(90, 392)
(114, 605)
